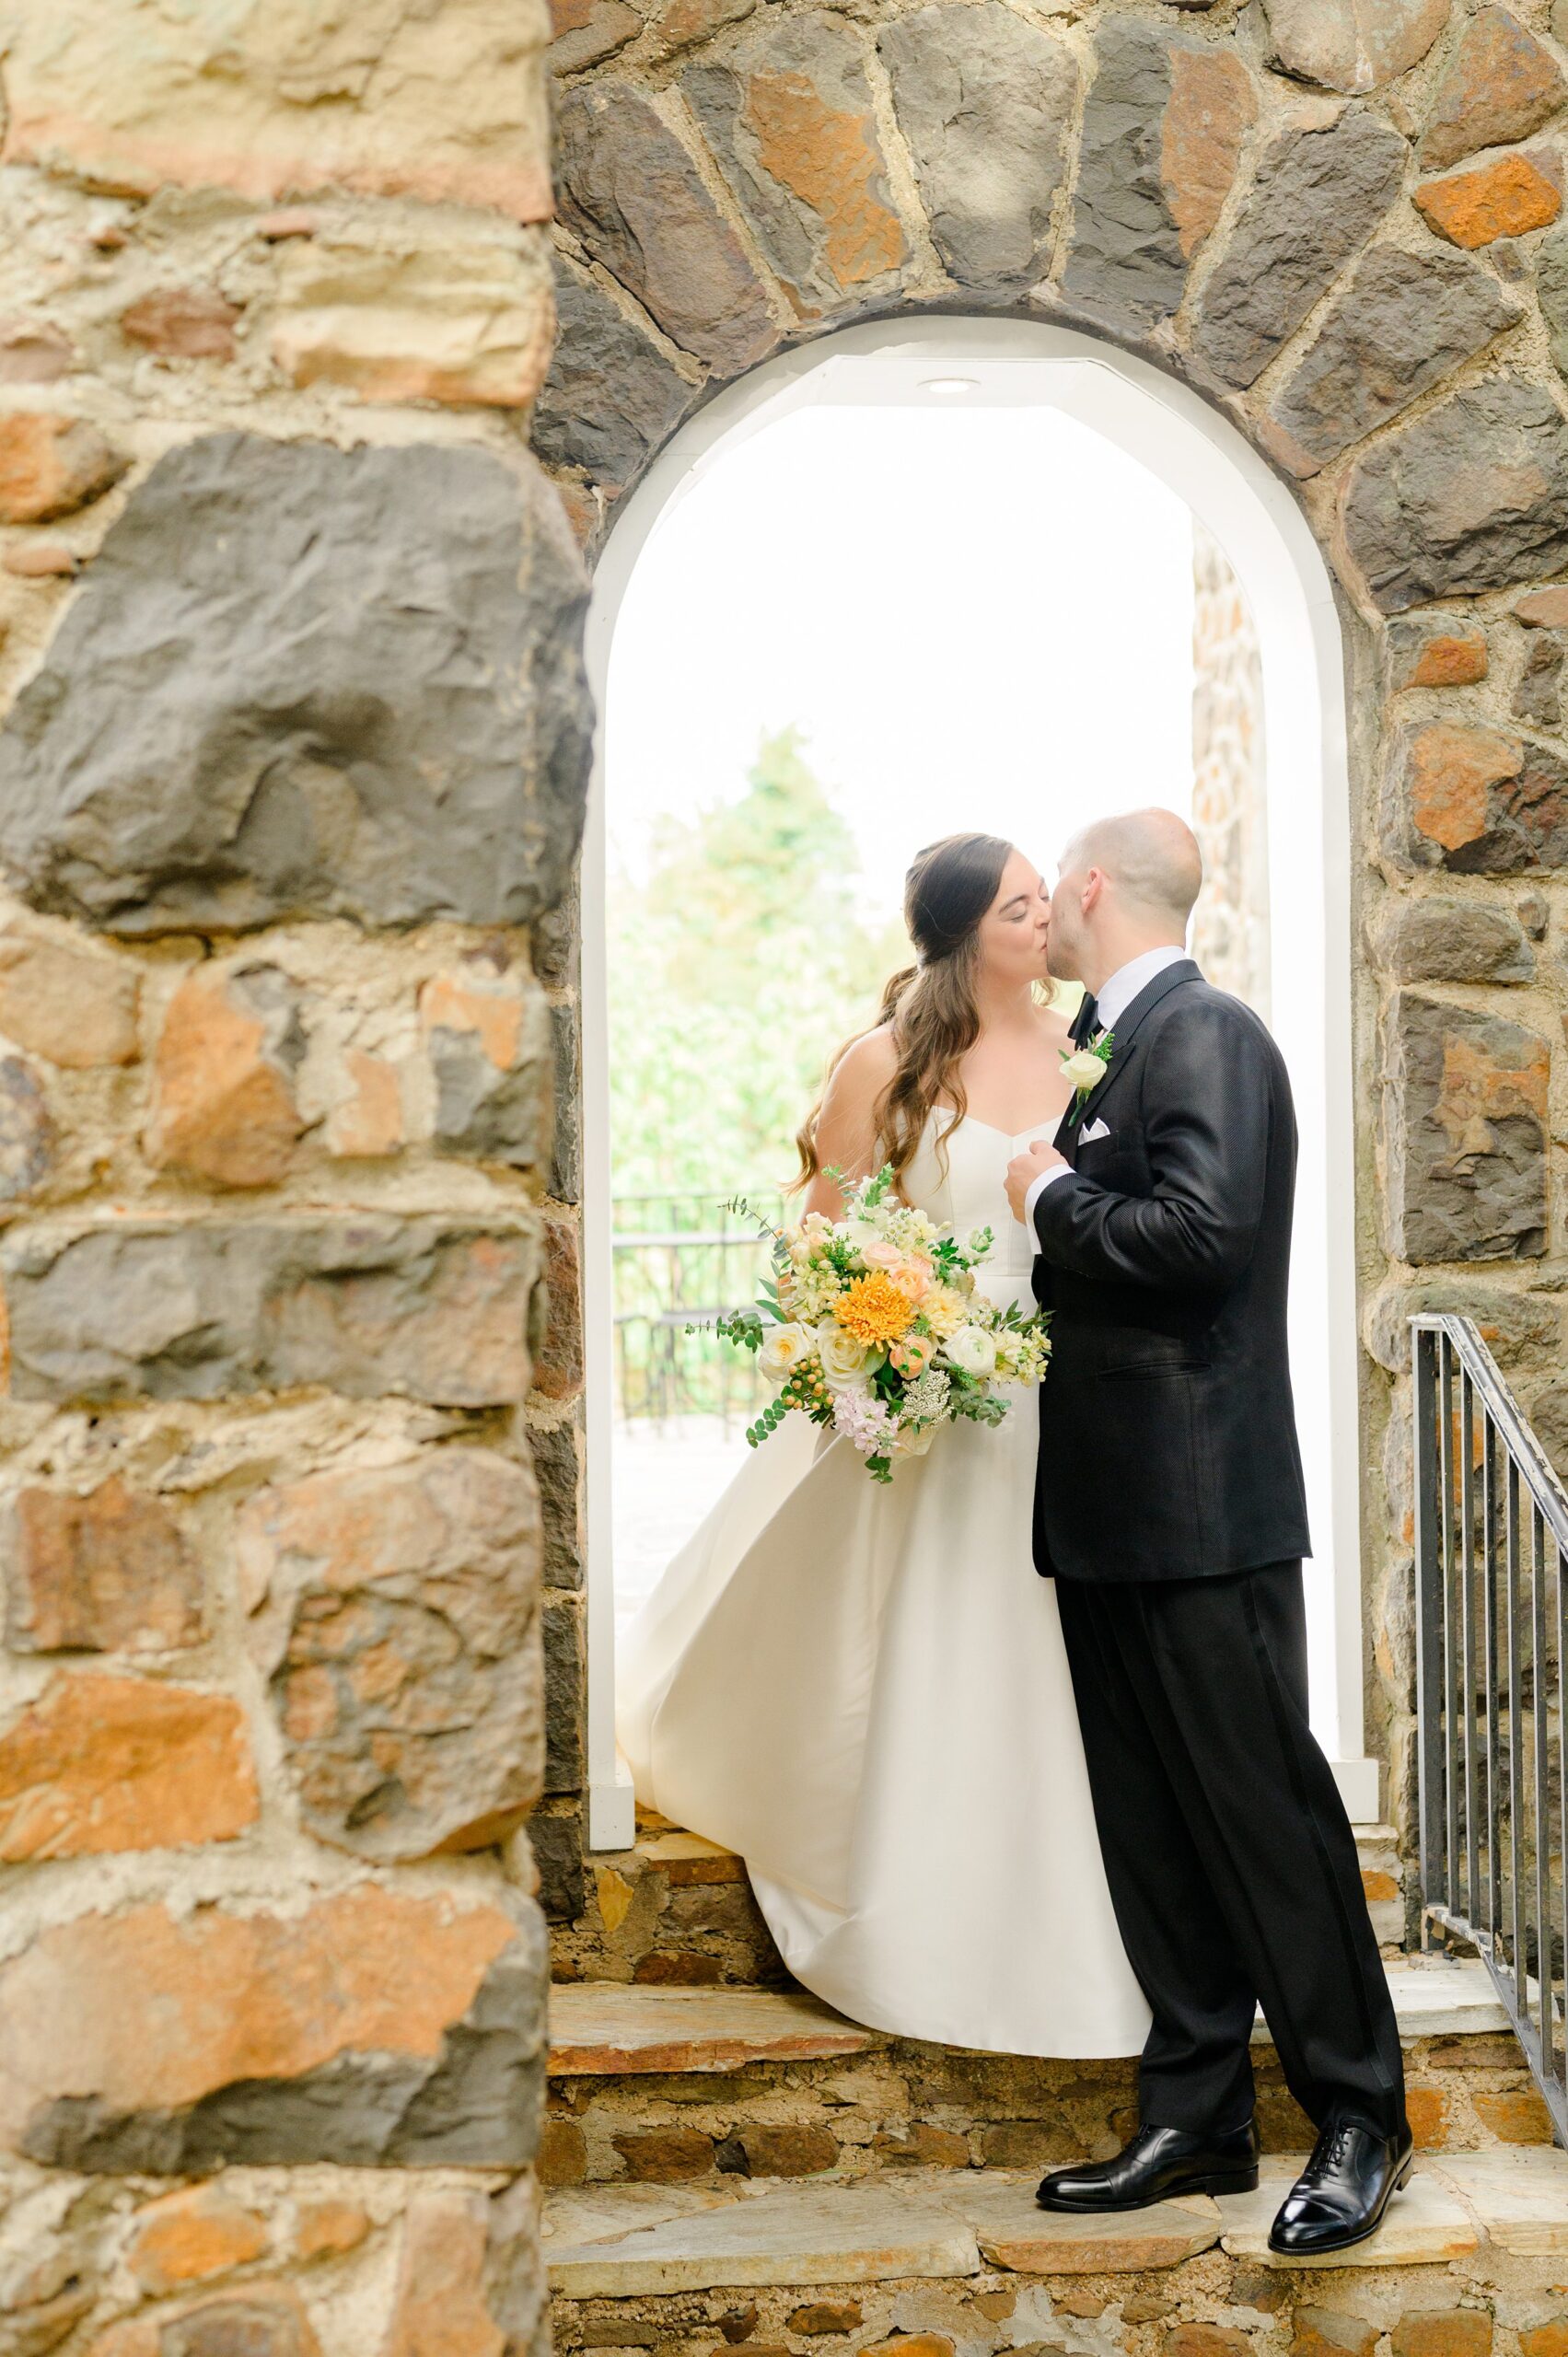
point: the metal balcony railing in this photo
(1491, 1538)
(680, 1260)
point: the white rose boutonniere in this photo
(1085, 1067)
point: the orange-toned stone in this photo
(183, 323)
(118, 1763)
(1206, 2341)
(369, 1122)
(1504, 199)
(1448, 659)
(1330, 2332)
(1443, 2332)
(189, 2235)
(563, 2153)
(1515, 2115)
(1207, 117)
(41, 560)
(327, 2228)
(1452, 770)
(828, 159)
(108, 1571)
(1427, 2109)
(924, 2147)
(1544, 608)
(492, 1009)
(72, 1005)
(780, 2149)
(912, 2344)
(50, 466)
(664, 2155)
(224, 1107)
(149, 2012)
(820, 2316)
(689, 1859)
(1379, 1884)
(439, 2307)
(253, 2320)
(1548, 2340)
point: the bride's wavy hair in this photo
(931, 1004)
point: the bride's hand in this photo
(1025, 1168)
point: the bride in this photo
(863, 1689)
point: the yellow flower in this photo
(944, 1311)
(873, 1310)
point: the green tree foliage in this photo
(735, 971)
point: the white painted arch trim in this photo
(1180, 438)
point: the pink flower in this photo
(864, 1422)
(913, 1276)
(881, 1255)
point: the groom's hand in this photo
(1025, 1168)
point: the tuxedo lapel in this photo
(1123, 1049)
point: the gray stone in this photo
(423, 1307)
(1434, 650)
(1450, 940)
(1401, 325)
(557, 1845)
(554, 1451)
(1319, 193)
(567, 1161)
(790, 118)
(395, 1619)
(983, 99)
(1499, 86)
(1520, 1329)
(26, 1133)
(1352, 45)
(1473, 496)
(635, 198)
(276, 695)
(1538, 696)
(612, 398)
(564, 1695)
(1163, 126)
(494, 1113)
(1551, 291)
(1466, 1135)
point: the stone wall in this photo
(1340, 222)
(1229, 935)
(291, 779)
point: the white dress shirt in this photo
(1113, 1002)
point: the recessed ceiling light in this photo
(947, 386)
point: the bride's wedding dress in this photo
(863, 1691)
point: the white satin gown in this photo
(863, 1691)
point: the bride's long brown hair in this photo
(931, 1004)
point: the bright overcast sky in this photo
(979, 619)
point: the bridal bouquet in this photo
(872, 1324)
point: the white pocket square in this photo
(1095, 1129)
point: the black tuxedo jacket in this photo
(1167, 1433)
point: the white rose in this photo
(971, 1350)
(783, 1348)
(858, 1233)
(845, 1361)
(1083, 1069)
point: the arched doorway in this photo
(1188, 445)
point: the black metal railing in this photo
(1490, 1540)
(682, 1261)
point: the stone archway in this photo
(1282, 226)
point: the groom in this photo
(1171, 1513)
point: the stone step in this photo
(677, 1910)
(661, 2087)
(632, 2245)
(602, 2029)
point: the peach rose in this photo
(910, 1357)
(913, 1276)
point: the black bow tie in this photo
(1086, 1023)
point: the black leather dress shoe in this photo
(1158, 2164)
(1341, 2195)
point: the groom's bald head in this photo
(1149, 857)
(1127, 885)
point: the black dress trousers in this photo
(1231, 1862)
